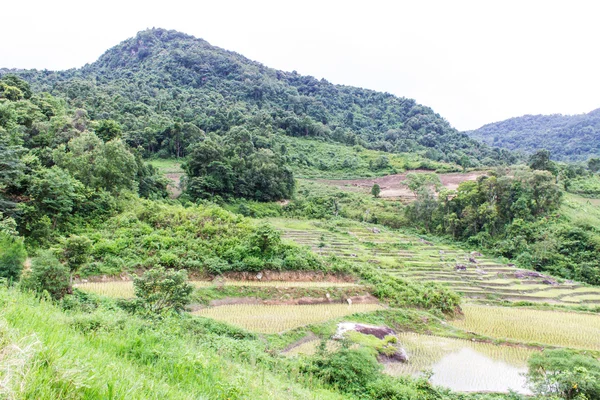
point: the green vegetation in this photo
(160, 290)
(568, 137)
(565, 374)
(278, 248)
(170, 88)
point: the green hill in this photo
(568, 137)
(166, 89)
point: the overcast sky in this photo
(473, 62)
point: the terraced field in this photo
(124, 289)
(279, 318)
(407, 255)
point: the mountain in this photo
(166, 89)
(568, 137)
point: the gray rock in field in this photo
(259, 276)
(375, 230)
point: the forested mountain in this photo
(568, 137)
(165, 90)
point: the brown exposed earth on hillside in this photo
(391, 186)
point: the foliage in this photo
(76, 252)
(565, 373)
(165, 89)
(568, 137)
(375, 190)
(47, 275)
(12, 256)
(540, 160)
(161, 290)
(234, 166)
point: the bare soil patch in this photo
(174, 186)
(391, 186)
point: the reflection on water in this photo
(464, 366)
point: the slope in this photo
(568, 137)
(166, 89)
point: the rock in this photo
(460, 267)
(528, 274)
(259, 276)
(375, 230)
(549, 282)
(476, 254)
(379, 332)
(442, 252)
(349, 301)
(426, 242)
(353, 255)
(510, 264)
(472, 260)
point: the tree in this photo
(98, 165)
(76, 252)
(375, 190)
(108, 129)
(47, 275)
(12, 256)
(594, 164)
(541, 160)
(159, 290)
(419, 181)
(55, 193)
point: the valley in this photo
(180, 222)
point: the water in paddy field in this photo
(464, 366)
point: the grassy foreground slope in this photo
(108, 354)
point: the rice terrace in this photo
(178, 221)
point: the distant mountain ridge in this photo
(568, 137)
(162, 83)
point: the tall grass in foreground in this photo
(555, 328)
(48, 354)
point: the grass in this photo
(167, 165)
(280, 318)
(309, 348)
(107, 354)
(553, 328)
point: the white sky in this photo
(473, 62)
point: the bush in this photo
(12, 256)
(346, 370)
(47, 275)
(564, 373)
(159, 290)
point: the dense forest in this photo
(568, 137)
(165, 90)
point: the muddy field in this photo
(391, 186)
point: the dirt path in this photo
(391, 186)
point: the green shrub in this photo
(47, 275)
(564, 373)
(160, 290)
(347, 370)
(12, 256)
